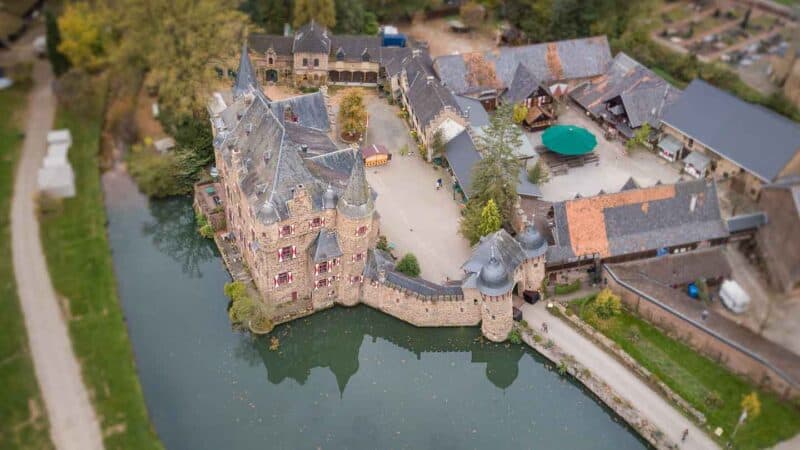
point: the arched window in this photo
(269, 61)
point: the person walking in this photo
(684, 435)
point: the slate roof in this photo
(502, 247)
(392, 59)
(311, 38)
(325, 246)
(644, 94)
(311, 140)
(425, 93)
(522, 85)
(754, 138)
(553, 61)
(246, 80)
(377, 260)
(462, 155)
(309, 109)
(357, 199)
(261, 43)
(354, 46)
(473, 110)
(636, 220)
(744, 222)
(791, 183)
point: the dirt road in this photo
(73, 424)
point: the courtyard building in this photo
(740, 141)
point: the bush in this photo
(382, 244)
(203, 227)
(242, 304)
(514, 336)
(536, 174)
(607, 304)
(713, 400)
(157, 175)
(564, 289)
(408, 265)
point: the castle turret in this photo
(495, 285)
(534, 246)
(356, 232)
(246, 81)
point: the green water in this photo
(344, 378)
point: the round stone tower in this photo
(534, 245)
(495, 285)
(356, 230)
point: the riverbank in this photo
(22, 413)
(79, 259)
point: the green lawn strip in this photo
(23, 419)
(701, 381)
(79, 259)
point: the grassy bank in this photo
(79, 259)
(22, 414)
(706, 385)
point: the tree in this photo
(322, 12)
(353, 114)
(408, 265)
(640, 137)
(270, 15)
(520, 113)
(537, 174)
(472, 14)
(751, 404)
(350, 17)
(490, 219)
(607, 304)
(437, 144)
(58, 61)
(496, 174)
(178, 42)
(84, 36)
(471, 221)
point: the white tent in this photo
(57, 181)
(59, 137)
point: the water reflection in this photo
(173, 232)
(333, 339)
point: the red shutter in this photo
(294, 251)
(290, 278)
(280, 255)
(276, 281)
(292, 229)
(323, 221)
(316, 269)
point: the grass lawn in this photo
(79, 259)
(22, 414)
(706, 385)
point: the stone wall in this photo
(420, 310)
(496, 317)
(735, 359)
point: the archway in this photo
(333, 76)
(358, 77)
(272, 76)
(372, 77)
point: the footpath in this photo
(73, 423)
(648, 403)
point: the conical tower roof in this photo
(356, 200)
(246, 80)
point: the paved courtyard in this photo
(415, 217)
(613, 171)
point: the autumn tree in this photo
(322, 12)
(85, 36)
(520, 112)
(177, 41)
(472, 14)
(490, 219)
(353, 114)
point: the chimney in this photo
(693, 203)
(415, 52)
(429, 79)
(304, 148)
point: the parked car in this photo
(531, 296)
(40, 46)
(517, 314)
(5, 82)
(734, 297)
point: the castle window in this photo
(316, 222)
(305, 61)
(535, 264)
(475, 301)
(288, 252)
(365, 56)
(323, 283)
(397, 300)
(340, 55)
(358, 257)
(286, 230)
(316, 62)
(294, 295)
(492, 317)
(362, 230)
(322, 267)
(283, 278)
(356, 279)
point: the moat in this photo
(344, 378)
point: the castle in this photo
(302, 215)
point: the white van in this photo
(734, 297)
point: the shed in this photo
(696, 164)
(669, 147)
(59, 137)
(375, 155)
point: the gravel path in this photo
(73, 424)
(655, 408)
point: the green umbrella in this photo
(569, 140)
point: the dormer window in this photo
(362, 230)
(286, 230)
(358, 257)
(316, 222)
(322, 267)
(340, 55)
(365, 56)
(270, 61)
